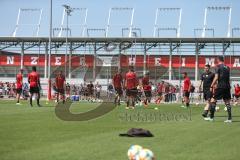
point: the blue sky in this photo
(192, 16)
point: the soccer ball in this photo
(217, 109)
(197, 104)
(133, 151)
(145, 154)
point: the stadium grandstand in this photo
(96, 53)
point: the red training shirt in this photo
(131, 80)
(117, 80)
(186, 84)
(60, 79)
(146, 85)
(19, 79)
(33, 79)
(237, 91)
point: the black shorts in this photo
(186, 94)
(207, 94)
(19, 90)
(61, 91)
(90, 92)
(119, 91)
(139, 94)
(132, 92)
(34, 90)
(86, 93)
(148, 93)
(222, 93)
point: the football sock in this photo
(229, 110)
(205, 113)
(128, 103)
(31, 101)
(212, 109)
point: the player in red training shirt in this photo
(19, 82)
(237, 94)
(147, 89)
(60, 86)
(118, 84)
(34, 81)
(131, 83)
(186, 89)
(160, 89)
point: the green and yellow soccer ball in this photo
(133, 152)
(136, 152)
(145, 154)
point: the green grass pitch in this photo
(37, 134)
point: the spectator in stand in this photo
(68, 90)
(1, 90)
(25, 91)
(81, 92)
(167, 89)
(170, 94)
(177, 92)
(174, 98)
(192, 90)
(6, 88)
(110, 91)
(98, 88)
(90, 87)
(74, 89)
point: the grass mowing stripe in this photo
(36, 133)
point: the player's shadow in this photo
(226, 116)
(234, 121)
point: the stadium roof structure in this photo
(130, 37)
(121, 39)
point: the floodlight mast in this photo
(179, 23)
(131, 24)
(215, 8)
(68, 10)
(49, 96)
(17, 23)
(20, 10)
(176, 29)
(39, 21)
(156, 26)
(84, 22)
(120, 9)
